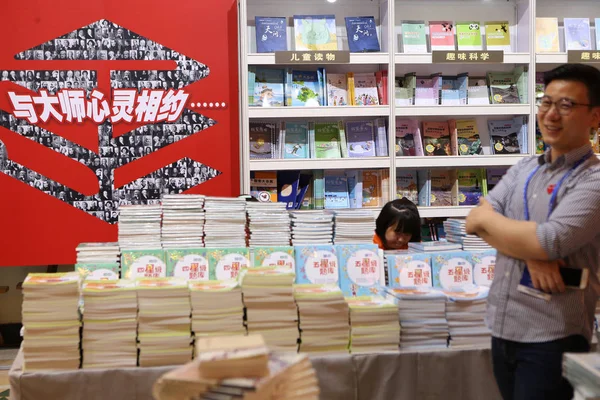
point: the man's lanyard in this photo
(556, 187)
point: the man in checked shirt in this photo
(545, 213)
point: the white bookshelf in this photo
(388, 14)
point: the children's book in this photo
(408, 138)
(371, 194)
(546, 35)
(406, 185)
(441, 34)
(454, 90)
(269, 87)
(277, 256)
(190, 264)
(504, 136)
(263, 186)
(99, 271)
(305, 89)
(317, 264)
(148, 263)
(427, 91)
(436, 138)
(287, 188)
(327, 139)
(262, 138)
(365, 90)
(424, 187)
(315, 32)
(470, 186)
(468, 35)
(484, 264)
(443, 188)
(336, 190)
(478, 91)
(361, 269)
(497, 35)
(354, 178)
(469, 141)
(577, 34)
(337, 90)
(360, 139)
(409, 271)
(362, 34)
(503, 88)
(414, 37)
(296, 140)
(452, 271)
(226, 263)
(271, 34)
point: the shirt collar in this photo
(569, 158)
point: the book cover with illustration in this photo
(268, 87)
(469, 141)
(468, 35)
(296, 143)
(477, 91)
(470, 186)
(99, 271)
(189, 264)
(337, 90)
(409, 271)
(452, 270)
(263, 186)
(504, 136)
(404, 89)
(360, 139)
(406, 185)
(414, 37)
(327, 140)
(427, 91)
(408, 138)
(503, 88)
(546, 35)
(316, 264)
(371, 195)
(484, 264)
(494, 176)
(443, 188)
(305, 89)
(148, 263)
(227, 262)
(365, 89)
(274, 256)
(362, 34)
(271, 34)
(361, 269)
(454, 90)
(262, 138)
(577, 34)
(441, 35)
(497, 35)
(336, 190)
(436, 138)
(315, 32)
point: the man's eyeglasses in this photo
(563, 106)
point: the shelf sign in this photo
(479, 56)
(583, 56)
(312, 57)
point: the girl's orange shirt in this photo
(377, 240)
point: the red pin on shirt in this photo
(550, 188)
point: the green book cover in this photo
(190, 264)
(327, 139)
(469, 141)
(414, 38)
(278, 256)
(227, 262)
(497, 35)
(149, 263)
(99, 271)
(468, 35)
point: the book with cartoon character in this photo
(406, 185)
(268, 87)
(305, 89)
(316, 264)
(441, 35)
(360, 139)
(408, 138)
(361, 269)
(337, 90)
(505, 135)
(262, 136)
(296, 140)
(468, 35)
(497, 35)
(190, 264)
(327, 139)
(148, 263)
(452, 270)
(469, 140)
(436, 138)
(315, 32)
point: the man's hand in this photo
(478, 215)
(545, 275)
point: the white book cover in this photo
(337, 90)
(365, 90)
(577, 34)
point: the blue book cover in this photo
(296, 140)
(336, 190)
(361, 269)
(452, 270)
(270, 34)
(411, 270)
(360, 139)
(362, 34)
(269, 87)
(305, 89)
(316, 264)
(484, 264)
(287, 188)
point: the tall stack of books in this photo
(139, 227)
(354, 226)
(217, 308)
(324, 318)
(374, 324)
(51, 321)
(268, 224)
(109, 324)
(312, 227)
(456, 233)
(99, 260)
(225, 224)
(270, 307)
(183, 221)
(465, 312)
(164, 325)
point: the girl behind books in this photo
(397, 224)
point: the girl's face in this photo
(396, 240)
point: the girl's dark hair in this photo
(404, 215)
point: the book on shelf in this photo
(337, 90)
(371, 182)
(427, 90)
(327, 139)
(414, 37)
(470, 186)
(546, 35)
(437, 139)
(468, 138)
(477, 91)
(355, 188)
(296, 143)
(305, 89)
(444, 190)
(597, 28)
(362, 34)
(404, 89)
(503, 87)
(263, 186)
(424, 187)
(508, 136)
(360, 139)
(263, 138)
(454, 90)
(408, 138)
(381, 79)
(336, 190)
(494, 175)
(315, 32)
(468, 35)
(497, 35)
(287, 187)
(577, 34)
(268, 89)
(441, 35)
(365, 90)
(406, 185)
(271, 34)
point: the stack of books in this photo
(183, 221)
(324, 314)
(99, 260)
(270, 307)
(434, 246)
(312, 227)
(456, 233)
(225, 224)
(268, 224)
(354, 226)
(139, 227)
(109, 337)
(465, 312)
(51, 321)
(422, 318)
(217, 308)
(164, 325)
(374, 324)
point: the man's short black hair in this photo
(403, 214)
(585, 74)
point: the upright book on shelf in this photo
(577, 34)
(546, 35)
(315, 32)
(271, 34)
(414, 37)
(441, 35)
(468, 35)
(408, 138)
(497, 35)
(362, 34)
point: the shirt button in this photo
(507, 274)
(534, 196)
